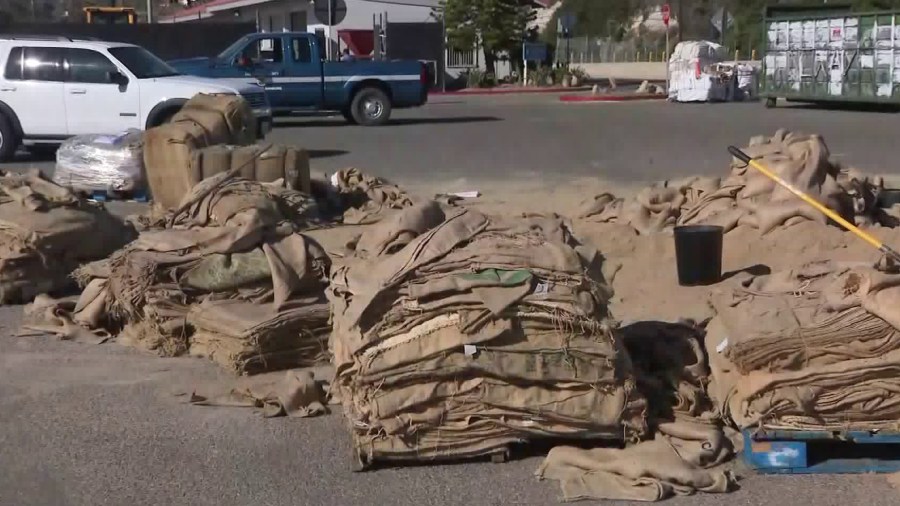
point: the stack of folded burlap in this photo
(456, 334)
(747, 197)
(46, 232)
(816, 348)
(689, 447)
(250, 338)
(231, 266)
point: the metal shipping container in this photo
(828, 57)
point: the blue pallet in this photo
(822, 452)
(104, 196)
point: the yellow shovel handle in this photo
(740, 155)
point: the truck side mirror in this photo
(117, 78)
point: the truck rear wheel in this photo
(371, 107)
(8, 141)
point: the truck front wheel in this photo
(371, 107)
(348, 115)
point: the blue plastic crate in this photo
(822, 452)
(104, 196)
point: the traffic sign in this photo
(534, 51)
(330, 12)
(666, 14)
(567, 22)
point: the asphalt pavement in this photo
(537, 137)
(109, 425)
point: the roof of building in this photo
(204, 9)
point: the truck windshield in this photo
(142, 63)
(234, 48)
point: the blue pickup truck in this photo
(297, 77)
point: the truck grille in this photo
(255, 99)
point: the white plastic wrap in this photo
(101, 163)
(691, 78)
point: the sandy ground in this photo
(110, 425)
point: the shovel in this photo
(884, 248)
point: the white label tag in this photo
(721, 347)
(469, 350)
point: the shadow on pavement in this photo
(326, 153)
(340, 122)
(843, 106)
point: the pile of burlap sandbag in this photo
(687, 448)
(212, 134)
(45, 233)
(747, 197)
(255, 163)
(205, 120)
(814, 348)
(228, 275)
(457, 334)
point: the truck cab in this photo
(297, 77)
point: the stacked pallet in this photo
(816, 348)
(457, 334)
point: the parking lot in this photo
(537, 138)
(95, 425)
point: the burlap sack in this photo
(168, 153)
(296, 170)
(270, 165)
(212, 122)
(244, 157)
(238, 115)
(212, 160)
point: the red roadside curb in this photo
(508, 91)
(611, 98)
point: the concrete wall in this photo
(654, 71)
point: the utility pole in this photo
(149, 11)
(681, 20)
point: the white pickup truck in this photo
(52, 88)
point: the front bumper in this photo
(263, 121)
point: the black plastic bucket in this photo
(888, 198)
(698, 253)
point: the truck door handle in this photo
(8, 88)
(78, 91)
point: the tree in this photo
(499, 25)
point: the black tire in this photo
(371, 107)
(8, 140)
(164, 117)
(348, 115)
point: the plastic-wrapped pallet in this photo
(690, 79)
(457, 334)
(112, 163)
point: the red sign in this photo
(666, 14)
